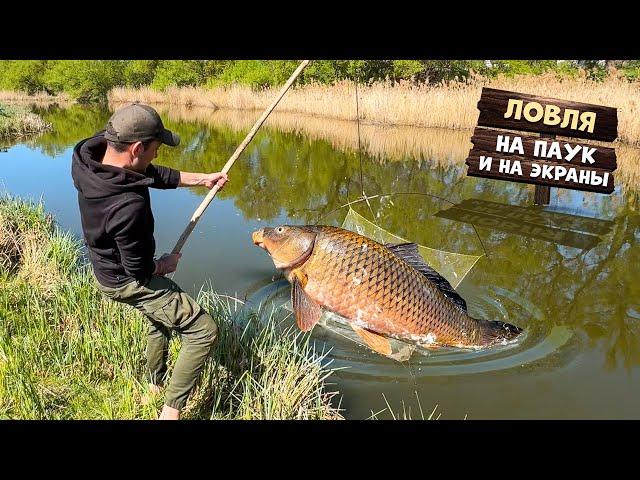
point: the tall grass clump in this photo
(262, 368)
(18, 121)
(66, 352)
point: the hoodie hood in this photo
(95, 180)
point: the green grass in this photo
(66, 352)
(406, 414)
(270, 371)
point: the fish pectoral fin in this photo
(302, 277)
(375, 341)
(307, 311)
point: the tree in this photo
(23, 75)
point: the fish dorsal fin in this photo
(307, 311)
(375, 341)
(409, 253)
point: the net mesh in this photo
(452, 266)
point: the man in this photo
(112, 172)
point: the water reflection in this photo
(533, 222)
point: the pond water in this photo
(566, 272)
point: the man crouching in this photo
(112, 172)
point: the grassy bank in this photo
(67, 352)
(451, 105)
(17, 122)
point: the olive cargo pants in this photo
(168, 308)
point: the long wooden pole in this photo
(212, 193)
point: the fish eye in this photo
(280, 230)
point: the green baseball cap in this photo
(138, 122)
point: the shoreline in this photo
(393, 124)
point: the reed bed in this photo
(451, 105)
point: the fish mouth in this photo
(258, 238)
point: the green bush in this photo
(255, 73)
(320, 71)
(268, 73)
(138, 73)
(85, 80)
(631, 69)
(511, 68)
(185, 73)
(405, 69)
(91, 80)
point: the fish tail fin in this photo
(495, 331)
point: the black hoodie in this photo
(115, 210)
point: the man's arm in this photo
(188, 179)
(165, 177)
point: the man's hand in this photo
(215, 178)
(167, 263)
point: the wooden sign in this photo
(543, 161)
(518, 111)
(559, 228)
(486, 140)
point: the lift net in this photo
(452, 266)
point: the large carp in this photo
(380, 289)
